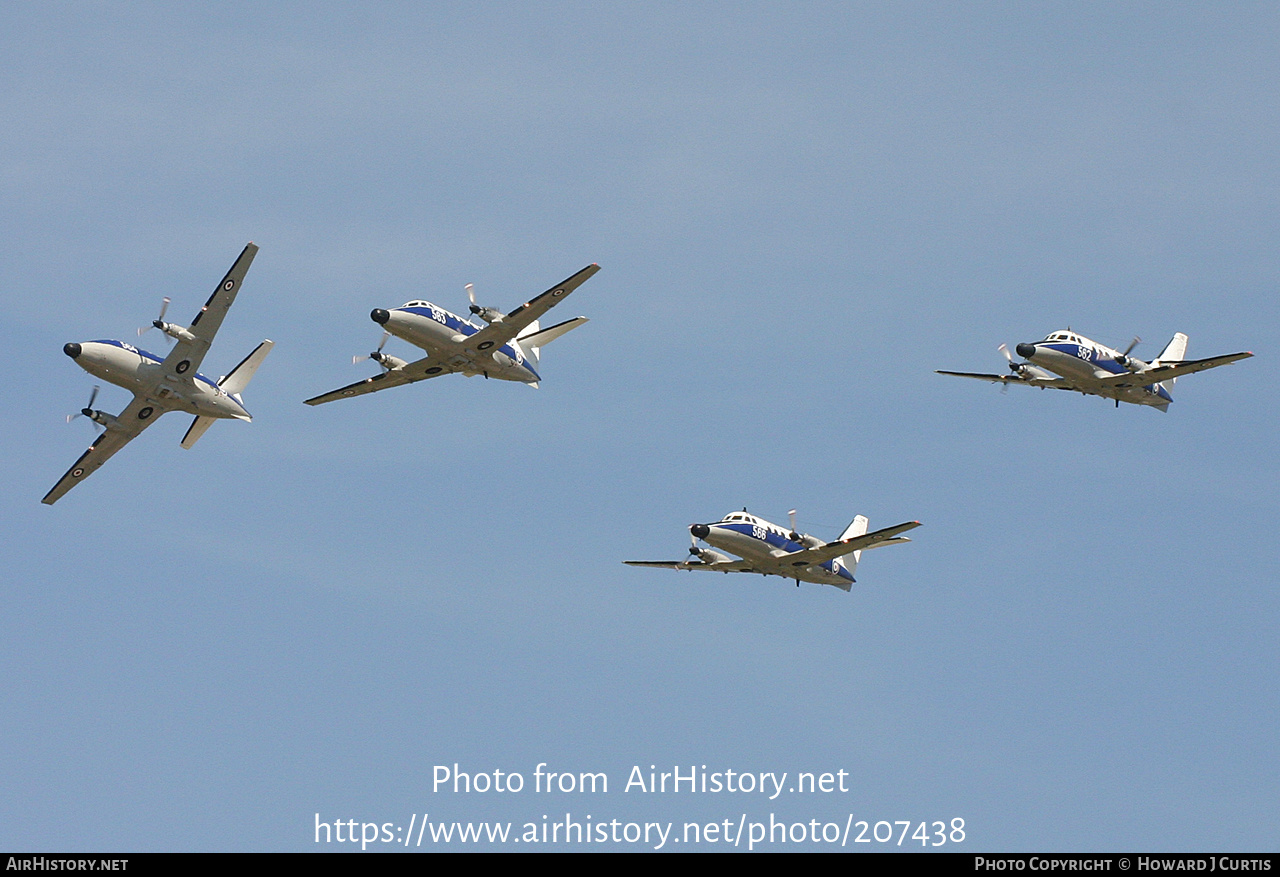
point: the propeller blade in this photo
(87, 410)
(471, 294)
(1013, 366)
(375, 356)
(164, 308)
(1132, 344)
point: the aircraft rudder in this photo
(857, 527)
(1174, 351)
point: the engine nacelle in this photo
(174, 331)
(387, 361)
(1032, 372)
(489, 315)
(706, 555)
(1133, 365)
(102, 417)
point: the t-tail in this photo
(233, 385)
(1174, 351)
(534, 338)
(857, 527)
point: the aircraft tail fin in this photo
(235, 382)
(197, 429)
(1174, 351)
(857, 527)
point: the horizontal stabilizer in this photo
(198, 428)
(543, 337)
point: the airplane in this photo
(770, 550)
(1065, 360)
(163, 384)
(507, 348)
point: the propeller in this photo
(87, 410)
(158, 322)
(489, 315)
(795, 534)
(1014, 367)
(1123, 358)
(376, 356)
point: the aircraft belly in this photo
(120, 367)
(1070, 367)
(740, 544)
(433, 337)
(762, 555)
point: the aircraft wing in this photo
(406, 374)
(832, 550)
(105, 446)
(500, 333)
(209, 320)
(1167, 371)
(1055, 383)
(722, 566)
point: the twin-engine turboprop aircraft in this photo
(1067, 361)
(507, 348)
(162, 385)
(770, 550)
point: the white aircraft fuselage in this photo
(1077, 358)
(755, 539)
(447, 339)
(770, 550)
(1064, 360)
(140, 372)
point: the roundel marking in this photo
(485, 345)
(348, 392)
(144, 413)
(77, 472)
(229, 285)
(434, 370)
(181, 367)
(556, 293)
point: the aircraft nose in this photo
(72, 350)
(700, 530)
(1026, 351)
(380, 316)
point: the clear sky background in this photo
(800, 212)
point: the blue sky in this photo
(800, 213)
